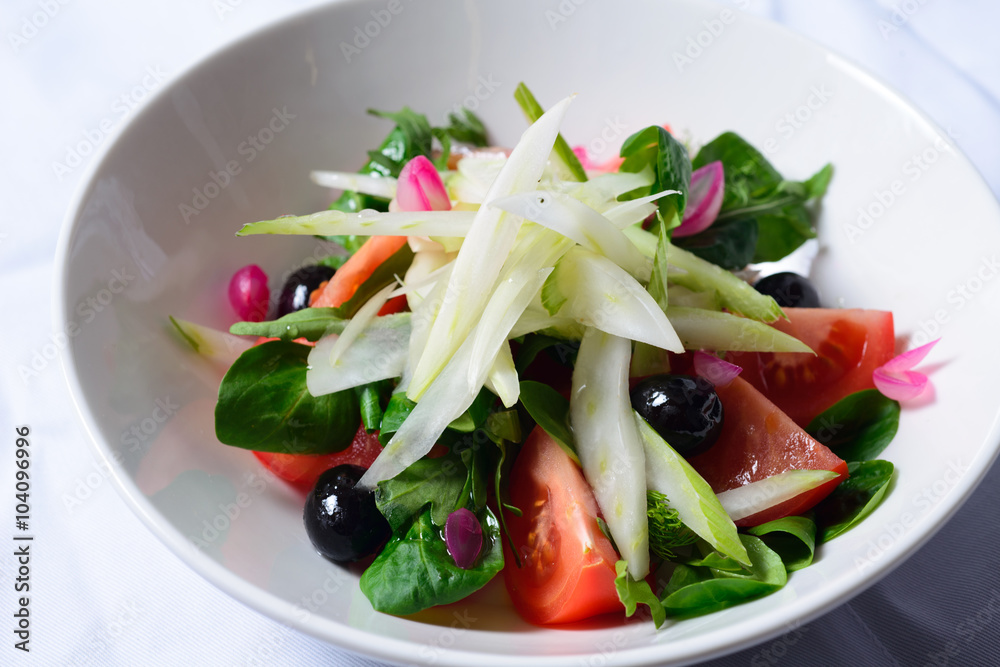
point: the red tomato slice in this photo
(302, 470)
(356, 270)
(850, 345)
(567, 568)
(757, 441)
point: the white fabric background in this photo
(105, 592)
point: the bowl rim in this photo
(742, 634)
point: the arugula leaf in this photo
(854, 498)
(697, 590)
(264, 405)
(656, 148)
(632, 593)
(859, 426)
(466, 127)
(755, 189)
(415, 570)
(564, 154)
(550, 410)
(730, 244)
(792, 537)
(436, 482)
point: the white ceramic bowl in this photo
(907, 225)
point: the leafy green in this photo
(666, 530)
(656, 148)
(694, 590)
(632, 593)
(371, 397)
(550, 410)
(264, 405)
(658, 280)
(859, 426)
(730, 244)
(855, 498)
(533, 344)
(756, 190)
(439, 483)
(466, 127)
(533, 111)
(349, 242)
(792, 537)
(415, 570)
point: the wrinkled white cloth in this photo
(107, 592)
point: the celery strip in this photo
(564, 154)
(713, 330)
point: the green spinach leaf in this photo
(859, 426)
(632, 593)
(264, 405)
(855, 498)
(792, 537)
(730, 244)
(656, 148)
(439, 483)
(550, 410)
(415, 570)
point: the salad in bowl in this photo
(565, 374)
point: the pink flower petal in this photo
(419, 187)
(717, 371)
(900, 386)
(610, 166)
(909, 359)
(704, 199)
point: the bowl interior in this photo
(907, 226)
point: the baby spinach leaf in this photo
(466, 127)
(632, 593)
(371, 396)
(438, 483)
(859, 426)
(792, 537)
(697, 590)
(854, 498)
(730, 244)
(264, 405)
(550, 410)
(533, 344)
(415, 570)
(656, 148)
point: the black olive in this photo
(341, 520)
(683, 409)
(790, 290)
(298, 287)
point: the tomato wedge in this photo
(302, 470)
(849, 343)
(757, 441)
(348, 278)
(567, 568)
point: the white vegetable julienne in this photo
(608, 444)
(453, 391)
(749, 499)
(503, 380)
(486, 247)
(377, 186)
(575, 220)
(687, 492)
(713, 330)
(367, 223)
(218, 346)
(357, 324)
(378, 353)
(634, 211)
(600, 294)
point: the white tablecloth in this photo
(104, 591)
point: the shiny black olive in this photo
(298, 287)
(683, 409)
(341, 520)
(789, 290)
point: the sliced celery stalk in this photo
(713, 330)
